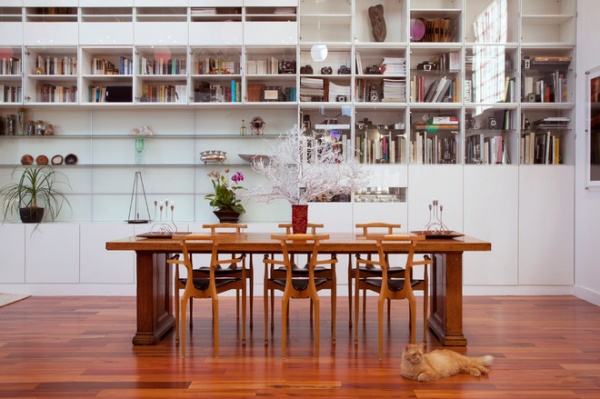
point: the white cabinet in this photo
(491, 213)
(546, 220)
(52, 253)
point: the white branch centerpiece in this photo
(302, 168)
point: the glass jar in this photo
(40, 128)
(1, 126)
(49, 130)
(11, 124)
(30, 128)
(21, 121)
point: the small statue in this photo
(377, 22)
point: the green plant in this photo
(224, 197)
(37, 187)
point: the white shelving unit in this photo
(256, 50)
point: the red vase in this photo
(299, 219)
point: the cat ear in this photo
(421, 346)
(407, 347)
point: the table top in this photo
(262, 242)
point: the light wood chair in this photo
(296, 286)
(231, 271)
(367, 270)
(392, 288)
(321, 271)
(207, 287)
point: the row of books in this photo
(551, 88)
(380, 149)
(10, 66)
(161, 66)
(486, 150)
(162, 93)
(390, 90)
(101, 66)
(215, 66)
(56, 93)
(439, 90)
(540, 148)
(312, 89)
(218, 92)
(57, 65)
(428, 148)
(10, 94)
(552, 123)
(268, 66)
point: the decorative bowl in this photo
(41, 160)
(213, 156)
(71, 159)
(251, 158)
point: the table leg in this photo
(154, 305)
(445, 320)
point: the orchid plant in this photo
(302, 168)
(224, 197)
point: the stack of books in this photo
(336, 90)
(394, 90)
(393, 66)
(311, 89)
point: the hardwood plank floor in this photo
(80, 347)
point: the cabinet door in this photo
(13, 270)
(52, 253)
(12, 33)
(546, 225)
(272, 3)
(161, 33)
(51, 33)
(435, 182)
(491, 214)
(106, 33)
(265, 32)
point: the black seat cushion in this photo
(300, 283)
(394, 284)
(202, 283)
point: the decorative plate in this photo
(41, 160)
(26, 159)
(71, 159)
(57, 160)
(432, 234)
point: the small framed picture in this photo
(271, 93)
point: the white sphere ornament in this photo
(318, 52)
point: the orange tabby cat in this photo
(420, 366)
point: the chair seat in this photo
(226, 270)
(300, 284)
(304, 270)
(393, 269)
(394, 284)
(202, 283)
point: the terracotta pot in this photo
(227, 216)
(299, 219)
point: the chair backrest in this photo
(312, 226)
(212, 239)
(307, 243)
(383, 251)
(377, 227)
(225, 227)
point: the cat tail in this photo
(486, 360)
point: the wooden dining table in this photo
(155, 286)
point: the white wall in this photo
(587, 202)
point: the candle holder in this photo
(165, 223)
(435, 223)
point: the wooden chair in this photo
(296, 286)
(207, 287)
(390, 287)
(230, 271)
(367, 270)
(321, 271)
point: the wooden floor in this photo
(80, 347)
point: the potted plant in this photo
(36, 194)
(228, 206)
(302, 168)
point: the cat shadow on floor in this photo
(420, 366)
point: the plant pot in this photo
(299, 219)
(31, 215)
(227, 216)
